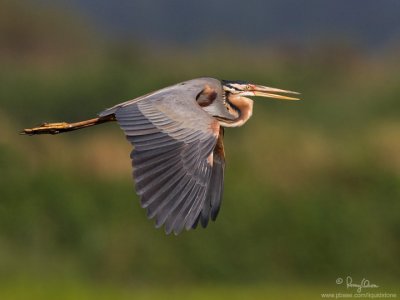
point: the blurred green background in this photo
(312, 189)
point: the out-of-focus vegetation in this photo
(312, 188)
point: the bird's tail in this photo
(56, 128)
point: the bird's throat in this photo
(242, 106)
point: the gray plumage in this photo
(177, 133)
(173, 137)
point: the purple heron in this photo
(177, 134)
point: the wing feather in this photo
(173, 138)
(212, 206)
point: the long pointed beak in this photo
(269, 92)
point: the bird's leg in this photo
(55, 128)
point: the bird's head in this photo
(241, 88)
(239, 108)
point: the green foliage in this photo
(312, 188)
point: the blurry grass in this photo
(312, 188)
(74, 289)
(54, 289)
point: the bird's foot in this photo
(47, 128)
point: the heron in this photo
(178, 154)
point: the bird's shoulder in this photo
(174, 97)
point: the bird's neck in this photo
(245, 108)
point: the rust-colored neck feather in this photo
(245, 108)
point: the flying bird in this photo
(177, 133)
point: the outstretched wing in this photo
(212, 204)
(177, 162)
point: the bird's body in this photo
(177, 134)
